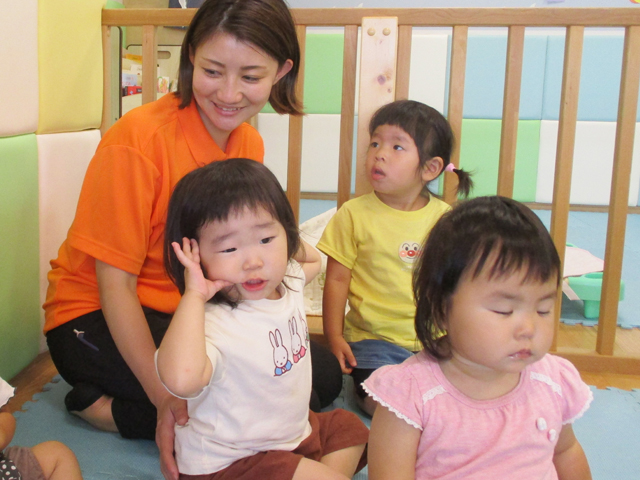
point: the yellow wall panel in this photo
(70, 65)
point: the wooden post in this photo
(510, 111)
(456, 101)
(106, 84)
(377, 82)
(564, 150)
(404, 62)
(622, 157)
(347, 112)
(294, 166)
(149, 63)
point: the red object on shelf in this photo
(131, 90)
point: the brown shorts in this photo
(26, 462)
(330, 432)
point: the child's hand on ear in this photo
(194, 279)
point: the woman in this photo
(109, 300)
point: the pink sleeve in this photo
(395, 388)
(577, 395)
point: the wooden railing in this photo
(384, 76)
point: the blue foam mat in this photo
(101, 455)
(608, 432)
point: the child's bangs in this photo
(508, 256)
(238, 197)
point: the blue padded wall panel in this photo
(484, 79)
(599, 79)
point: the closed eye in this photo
(211, 72)
(506, 313)
(543, 313)
(229, 250)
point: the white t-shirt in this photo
(258, 396)
(6, 392)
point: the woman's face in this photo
(232, 81)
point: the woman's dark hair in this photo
(429, 130)
(266, 24)
(499, 228)
(213, 193)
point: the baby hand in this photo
(194, 279)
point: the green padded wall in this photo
(19, 295)
(480, 152)
(323, 73)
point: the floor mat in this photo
(608, 433)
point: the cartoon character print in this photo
(280, 353)
(305, 330)
(297, 348)
(409, 252)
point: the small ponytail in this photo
(465, 183)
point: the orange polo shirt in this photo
(123, 203)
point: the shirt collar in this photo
(202, 146)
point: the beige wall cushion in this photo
(18, 67)
(62, 163)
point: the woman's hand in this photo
(194, 279)
(172, 411)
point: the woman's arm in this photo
(334, 301)
(569, 458)
(7, 429)
(309, 259)
(128, 327)
(393, 447)
(130, 331)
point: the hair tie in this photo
(450, 167)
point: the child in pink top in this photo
(483, 399)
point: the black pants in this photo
(97, 361)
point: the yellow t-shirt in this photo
(379, 244)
